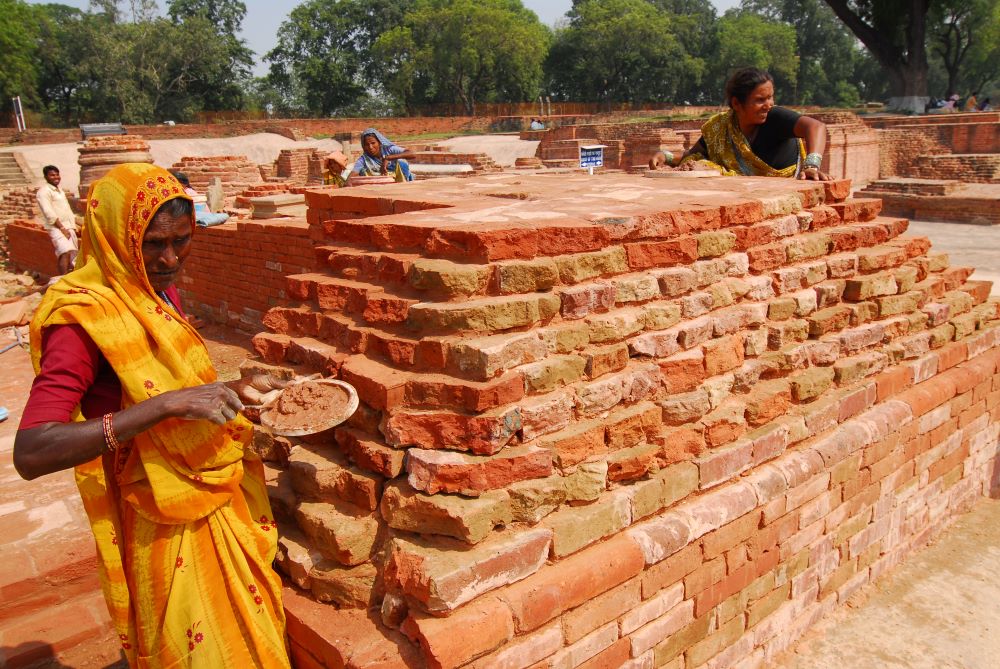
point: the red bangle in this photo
(110, 440)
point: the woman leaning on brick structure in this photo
(755, 137)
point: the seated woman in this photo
(380, 156)
(755, 137)
(126, 394)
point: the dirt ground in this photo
(940, 609)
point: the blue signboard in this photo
(592, 155)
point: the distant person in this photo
(60, 221)
(536, 124)
(380, 156)
(952, 104)
(755, 137)
(972, 104)
(985, 105)
(202, 214)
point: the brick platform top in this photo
(615, 420)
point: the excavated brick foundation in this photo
(616, 421)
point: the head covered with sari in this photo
(369, 165)
(178, 471)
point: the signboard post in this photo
(591, 156)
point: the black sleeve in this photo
(701, 147)
(782, 121)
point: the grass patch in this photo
(429, 136)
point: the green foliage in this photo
(323, 62)
(964, 45)
(750, 40)
(18, 49)
(223, 86)
(464, 51)
(621, 50)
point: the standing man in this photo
(59, 219)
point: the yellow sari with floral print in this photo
(729, 151)
(184, 531)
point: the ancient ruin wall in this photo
(234, 172)
(618, 421)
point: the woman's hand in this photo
(813, 174)
(216, 402)
(53, 447)
(385, 166)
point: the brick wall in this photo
(935, 200)
(234, 274)
(966, 167)
(235, 172)
(30, 249)
(636, 427)
(236, 270)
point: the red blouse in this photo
(74, 372)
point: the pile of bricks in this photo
(243, 198)
(18, 203)
(618, 421)
(99, 154)
(235, 172)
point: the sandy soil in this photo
(260, 148)
(504, 149)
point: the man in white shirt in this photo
(60, 222)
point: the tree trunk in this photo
(907, 71)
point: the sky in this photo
(264, 16)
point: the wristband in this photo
(669, 157)
(812, 160)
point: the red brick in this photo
(683, 372)
(723, 354)
(643, 255)
(576, 579)
(473, 630)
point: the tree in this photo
(750, 40)
(895, 33)
(324, 60)
(621, 50)
(464, 51)
(958, 25)
(18, 36)
(828, 58)
(224, 89)
(696, 25)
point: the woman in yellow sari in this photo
(125, 393)
(755, 137)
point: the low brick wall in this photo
(938, 200)
(236, 270)
(235, 273)
(618, 422)
(30, 249)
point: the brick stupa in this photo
(617, 421)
